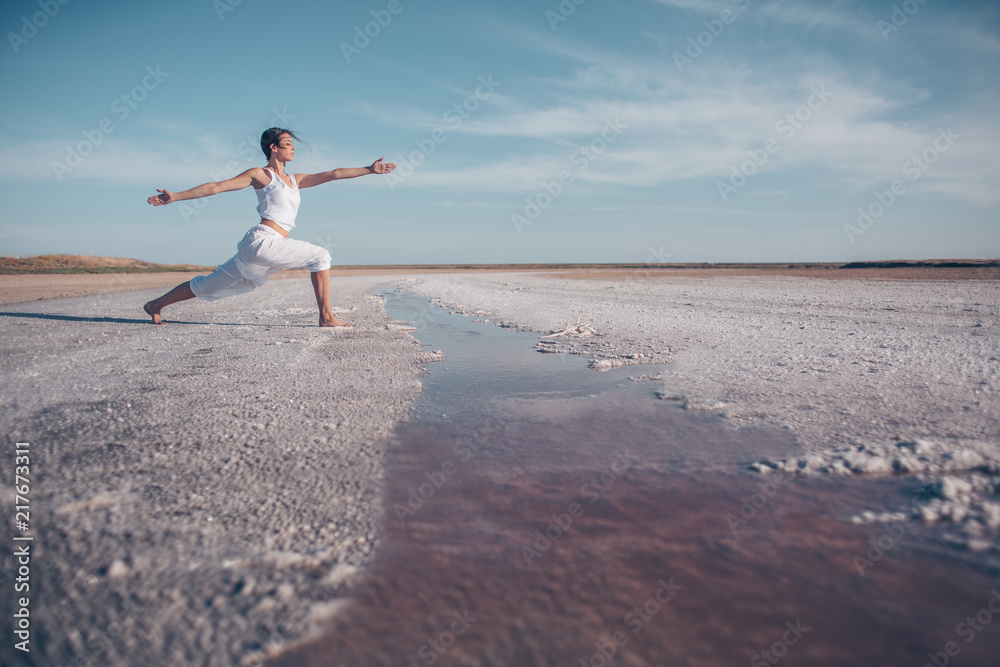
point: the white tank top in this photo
(279, 202)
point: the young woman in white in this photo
(266, 248)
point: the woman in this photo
(266, 248)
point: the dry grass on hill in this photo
(86, 264)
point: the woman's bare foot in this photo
(180, 293)
(333, 321)
(153, 312)
(328, 319)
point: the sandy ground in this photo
(873, 377)
(229, 461)
(35, 287)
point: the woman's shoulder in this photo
(260, 177)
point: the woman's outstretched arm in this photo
(310, 180)
(253, 176)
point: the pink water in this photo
(610, 528)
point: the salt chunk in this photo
(954, 488)
(991, 514)
(118, 569)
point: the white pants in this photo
(261, 252)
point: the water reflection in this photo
(554, 526)
(485, 363)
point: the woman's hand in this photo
(379, 167)
(311, 180)
(165, 197)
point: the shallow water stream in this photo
(541, 513)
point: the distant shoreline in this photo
(82, 264)
(28, 286)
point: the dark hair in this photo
(271, 136)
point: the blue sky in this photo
(643, 131)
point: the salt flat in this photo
(869, 379)
(873, 377)
(229, 461)
(205, 492)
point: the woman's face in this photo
(285, 149)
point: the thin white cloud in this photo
(468, 204)
(802, 13)
(705, 6)
(698, 126)
(818, 15)
(181, 159)
(875, 23)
